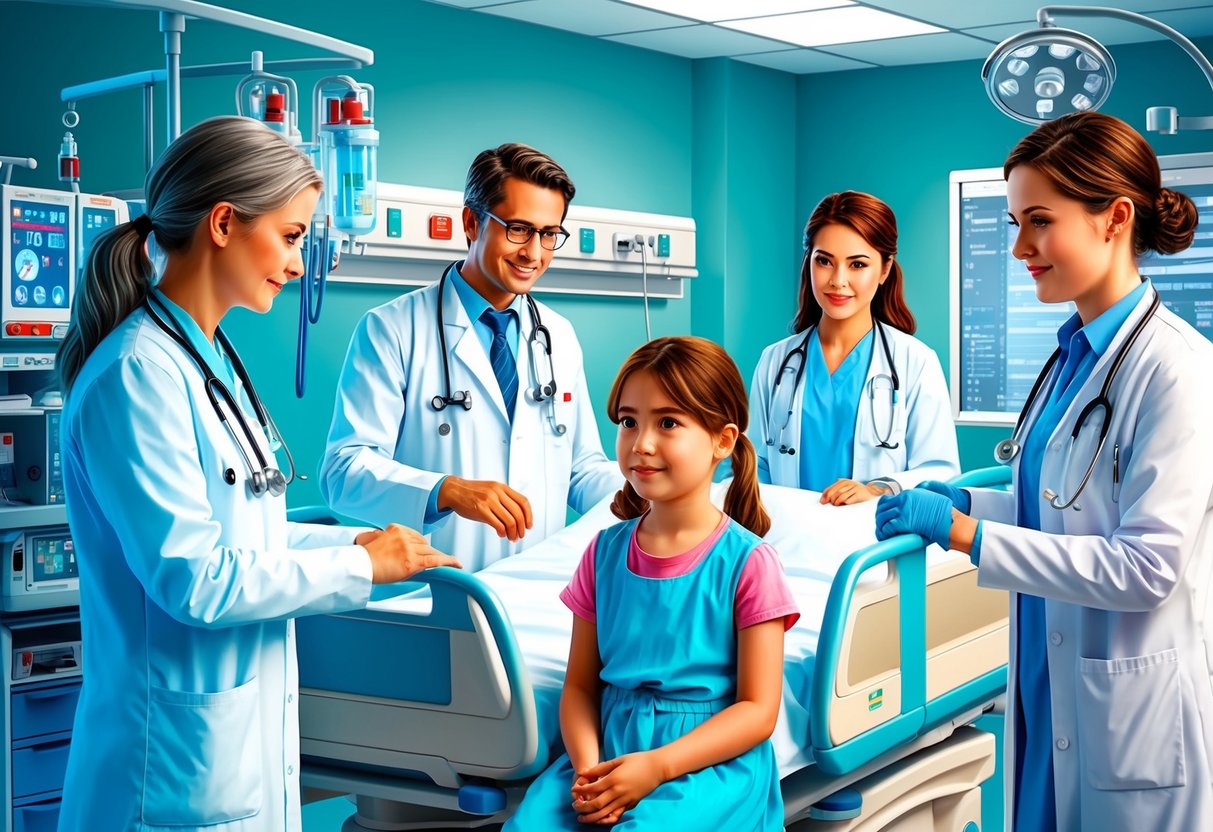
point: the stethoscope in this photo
(263, 477)
(884, 381)
(1008, 449)
(540, 341)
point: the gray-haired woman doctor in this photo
(1104, 541)
(189, 571)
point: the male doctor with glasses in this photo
(467, 397)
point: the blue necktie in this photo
(501, 358)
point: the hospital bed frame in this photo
(429, 718)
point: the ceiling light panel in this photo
(829, 26)
(712, 11)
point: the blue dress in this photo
(656, 689)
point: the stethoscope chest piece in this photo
(1006, 450)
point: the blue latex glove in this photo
(959, 497)
(917, 511)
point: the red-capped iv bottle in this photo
(354, 141)
(69, 161)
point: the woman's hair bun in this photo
(1175, 221)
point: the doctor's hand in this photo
(398, 552)
(486, 501)
(959, 497)
(917, 511)
(845, 492)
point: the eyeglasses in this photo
(520, 233)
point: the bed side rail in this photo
(996, 476)
(440, 693)
(907, 712)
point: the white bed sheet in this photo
(812, 540)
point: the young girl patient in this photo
(675, 669)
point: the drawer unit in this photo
(39, 768)
(46, 710)
(36, 817)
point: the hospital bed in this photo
(437, 704)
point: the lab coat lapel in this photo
(522, 357)
(1054, 468)
(470, 353)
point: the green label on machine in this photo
(875, 699)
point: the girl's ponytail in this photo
(743, 502)
(628, 504)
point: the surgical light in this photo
(1070, 72)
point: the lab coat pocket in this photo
(203, 756)
(1130, 722)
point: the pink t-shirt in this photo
(762, 593)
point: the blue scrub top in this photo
(1081, 347)
(827, 418)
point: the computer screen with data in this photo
(1001, 335)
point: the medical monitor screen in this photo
(39, 251)
(93, 221)
(1001, 334)
(54, 559)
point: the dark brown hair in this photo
(704, 382)
(873, 220)
(485, 185)
(1095, 158)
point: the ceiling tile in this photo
(701, 41)
(712, 10)
(935, 48)
(831, 26)
(587, 17)
(802, 61)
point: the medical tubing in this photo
(644, 285)
(446, 362)
(311, 299)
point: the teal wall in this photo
(876, 130)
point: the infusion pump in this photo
(39, 569)
(46, 236)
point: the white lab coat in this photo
(388, 447)
(922, 417)
(1125, 574)
(188, 715)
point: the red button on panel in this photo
(440, 227)
(14, 329)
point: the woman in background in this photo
(852, 405)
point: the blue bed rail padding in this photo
(995, 476)
(322, 515)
